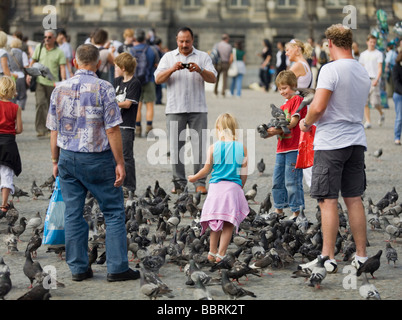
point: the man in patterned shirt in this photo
(87, 154)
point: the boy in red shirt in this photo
(287, 181)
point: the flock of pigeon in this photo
(161, 230)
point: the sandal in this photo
(213, 255)
(218, 256)
(5, 208)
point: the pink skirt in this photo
(225, 202)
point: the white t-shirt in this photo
(370, 60)
(341, 124)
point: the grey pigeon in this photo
(38, 292)
(35, 190)
(35, 222)
(18, 229)
(153, 278)
(261, 166)
(34, 243)
(31, 268)
(266, 204)
(371, 265)
(39, 69)
(390, 253)
(368, 290)
(48, 183)
(5, 280)
(12, 214)
(19, 193)
(252, 193)
(11, 242)
(307, 94)
(392, 231)
(200, 291)
(279, 119)
(233, 290)
(194, 272)
(318, 273)
(377, 153)
(149, 289)
(155, 262)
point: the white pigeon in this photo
(368, 290)
(35, 222)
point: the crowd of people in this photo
(111, 81)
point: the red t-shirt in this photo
(8, 117)
(290, 142)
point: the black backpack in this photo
(142, 69)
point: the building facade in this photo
(247, 20)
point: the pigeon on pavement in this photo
(371, 265)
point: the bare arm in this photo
(377, 79)
(206, 169)
(244, 168)
(18, 127)
(114, 137)
(4, 65)
(55, 152)
(125, 104)
(63, 72)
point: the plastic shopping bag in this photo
(305, 158)
(53, 233)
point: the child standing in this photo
(128, 92)
(225, 206)
(287, 184)
(10, 125)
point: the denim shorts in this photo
(338, 170)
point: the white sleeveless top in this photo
(306, 80)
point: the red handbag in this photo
(305, 157)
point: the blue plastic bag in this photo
(53, 233)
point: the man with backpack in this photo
(147, 60)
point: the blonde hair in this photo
(3, 39)
(128, 33)
(126, 61)
(226, 126)
(286, 77)
(8, 89)
(306, 48)
(15, 43)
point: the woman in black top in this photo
(266, 55)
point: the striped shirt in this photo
(81, 110)
(185, 89)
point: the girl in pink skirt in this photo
(225, 206)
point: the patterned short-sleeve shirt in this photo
(81, 110)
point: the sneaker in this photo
(357, 263)
(367, 125)
(130, 274)
(330, 265)
(381, 121)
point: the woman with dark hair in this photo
(397, 96)
(266, 55)
(281, 59)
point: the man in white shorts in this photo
(372, 60)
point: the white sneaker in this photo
(381, 121)
(358, 263)
(330, 265)
(367, 125)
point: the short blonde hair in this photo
(126, 61)
(226, 125)
(286, 77)
(306, 48)
(8, 89)
(15, 43)
(3, 39)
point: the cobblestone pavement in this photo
(252, 109)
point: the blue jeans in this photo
(80, 172)
(237, 83)
(398, 119)
(287, 182)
